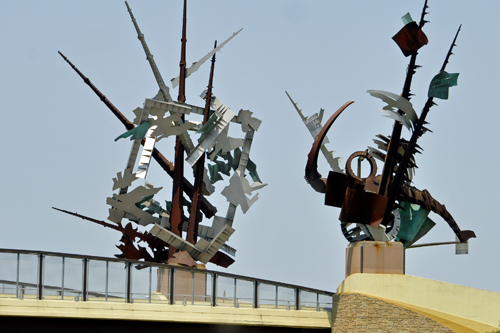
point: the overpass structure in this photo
(57, 291)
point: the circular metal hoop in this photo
(369, 158)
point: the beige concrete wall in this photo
(476, 309)
(165, 312)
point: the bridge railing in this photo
(59, 276)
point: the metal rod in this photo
(194, 214)
(432, 244)
(256, 294)
(359, 167)
(62, 277)
(393, 145)
(128, 265)
(214, 289)
(150, 281)
(398, 178)
(192, 286)
(235, 290)
(208, 209)
(297, 299)
(361, 259)
(85, 278)
(176, 212)
(17, 275)
(40, 276)
(107, 281)
(171, 280)
(276, 300)
(161, 84)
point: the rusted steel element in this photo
(129, 251)
(396, 132)
(313, 177)
(194, 216)
(368, 157)
(128, 125)
(336, 186)
(410, 38)
(363, 207)
(398, 179)
(346, 191)
(177, 210)
(176, 213)
(161, 84)
(424, 198)
(207, 208)
(182, 64)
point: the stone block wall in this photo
(359, 313)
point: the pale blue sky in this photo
(59, 151)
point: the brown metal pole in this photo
(176, 213)
(398, 178)
(194, 216)
(393, 145)
(208, 209)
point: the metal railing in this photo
(61, 276)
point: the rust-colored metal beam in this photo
(194, 216)
(313, 177)
(220, 258)
(425, 199)
(176, 213)
(207, 208)
(395, 187)
(392, 150)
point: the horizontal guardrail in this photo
(51, 275)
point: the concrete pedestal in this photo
(375, 257)
(189, 286)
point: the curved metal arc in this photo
(312, 176)
(424, 198)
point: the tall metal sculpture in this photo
(384, 207)
(159, 118)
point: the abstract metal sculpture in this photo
(161, 117)
(386, 207)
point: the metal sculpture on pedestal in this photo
(385, 207)
(159, 118)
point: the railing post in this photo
(171, 281)
(150, 282)
(235, 298)
(214, 289)
(85, 279)
(17, 274)
(255, 294)
(276, 301)
(297, 299)
(106, 287)
(40, 276)
(192, 286)
(62, 277)
(128, 265)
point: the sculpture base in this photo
(375, 257)
(189, 286)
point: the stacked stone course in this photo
(363, 314)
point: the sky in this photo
(59, 148)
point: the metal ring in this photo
(371, 161)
